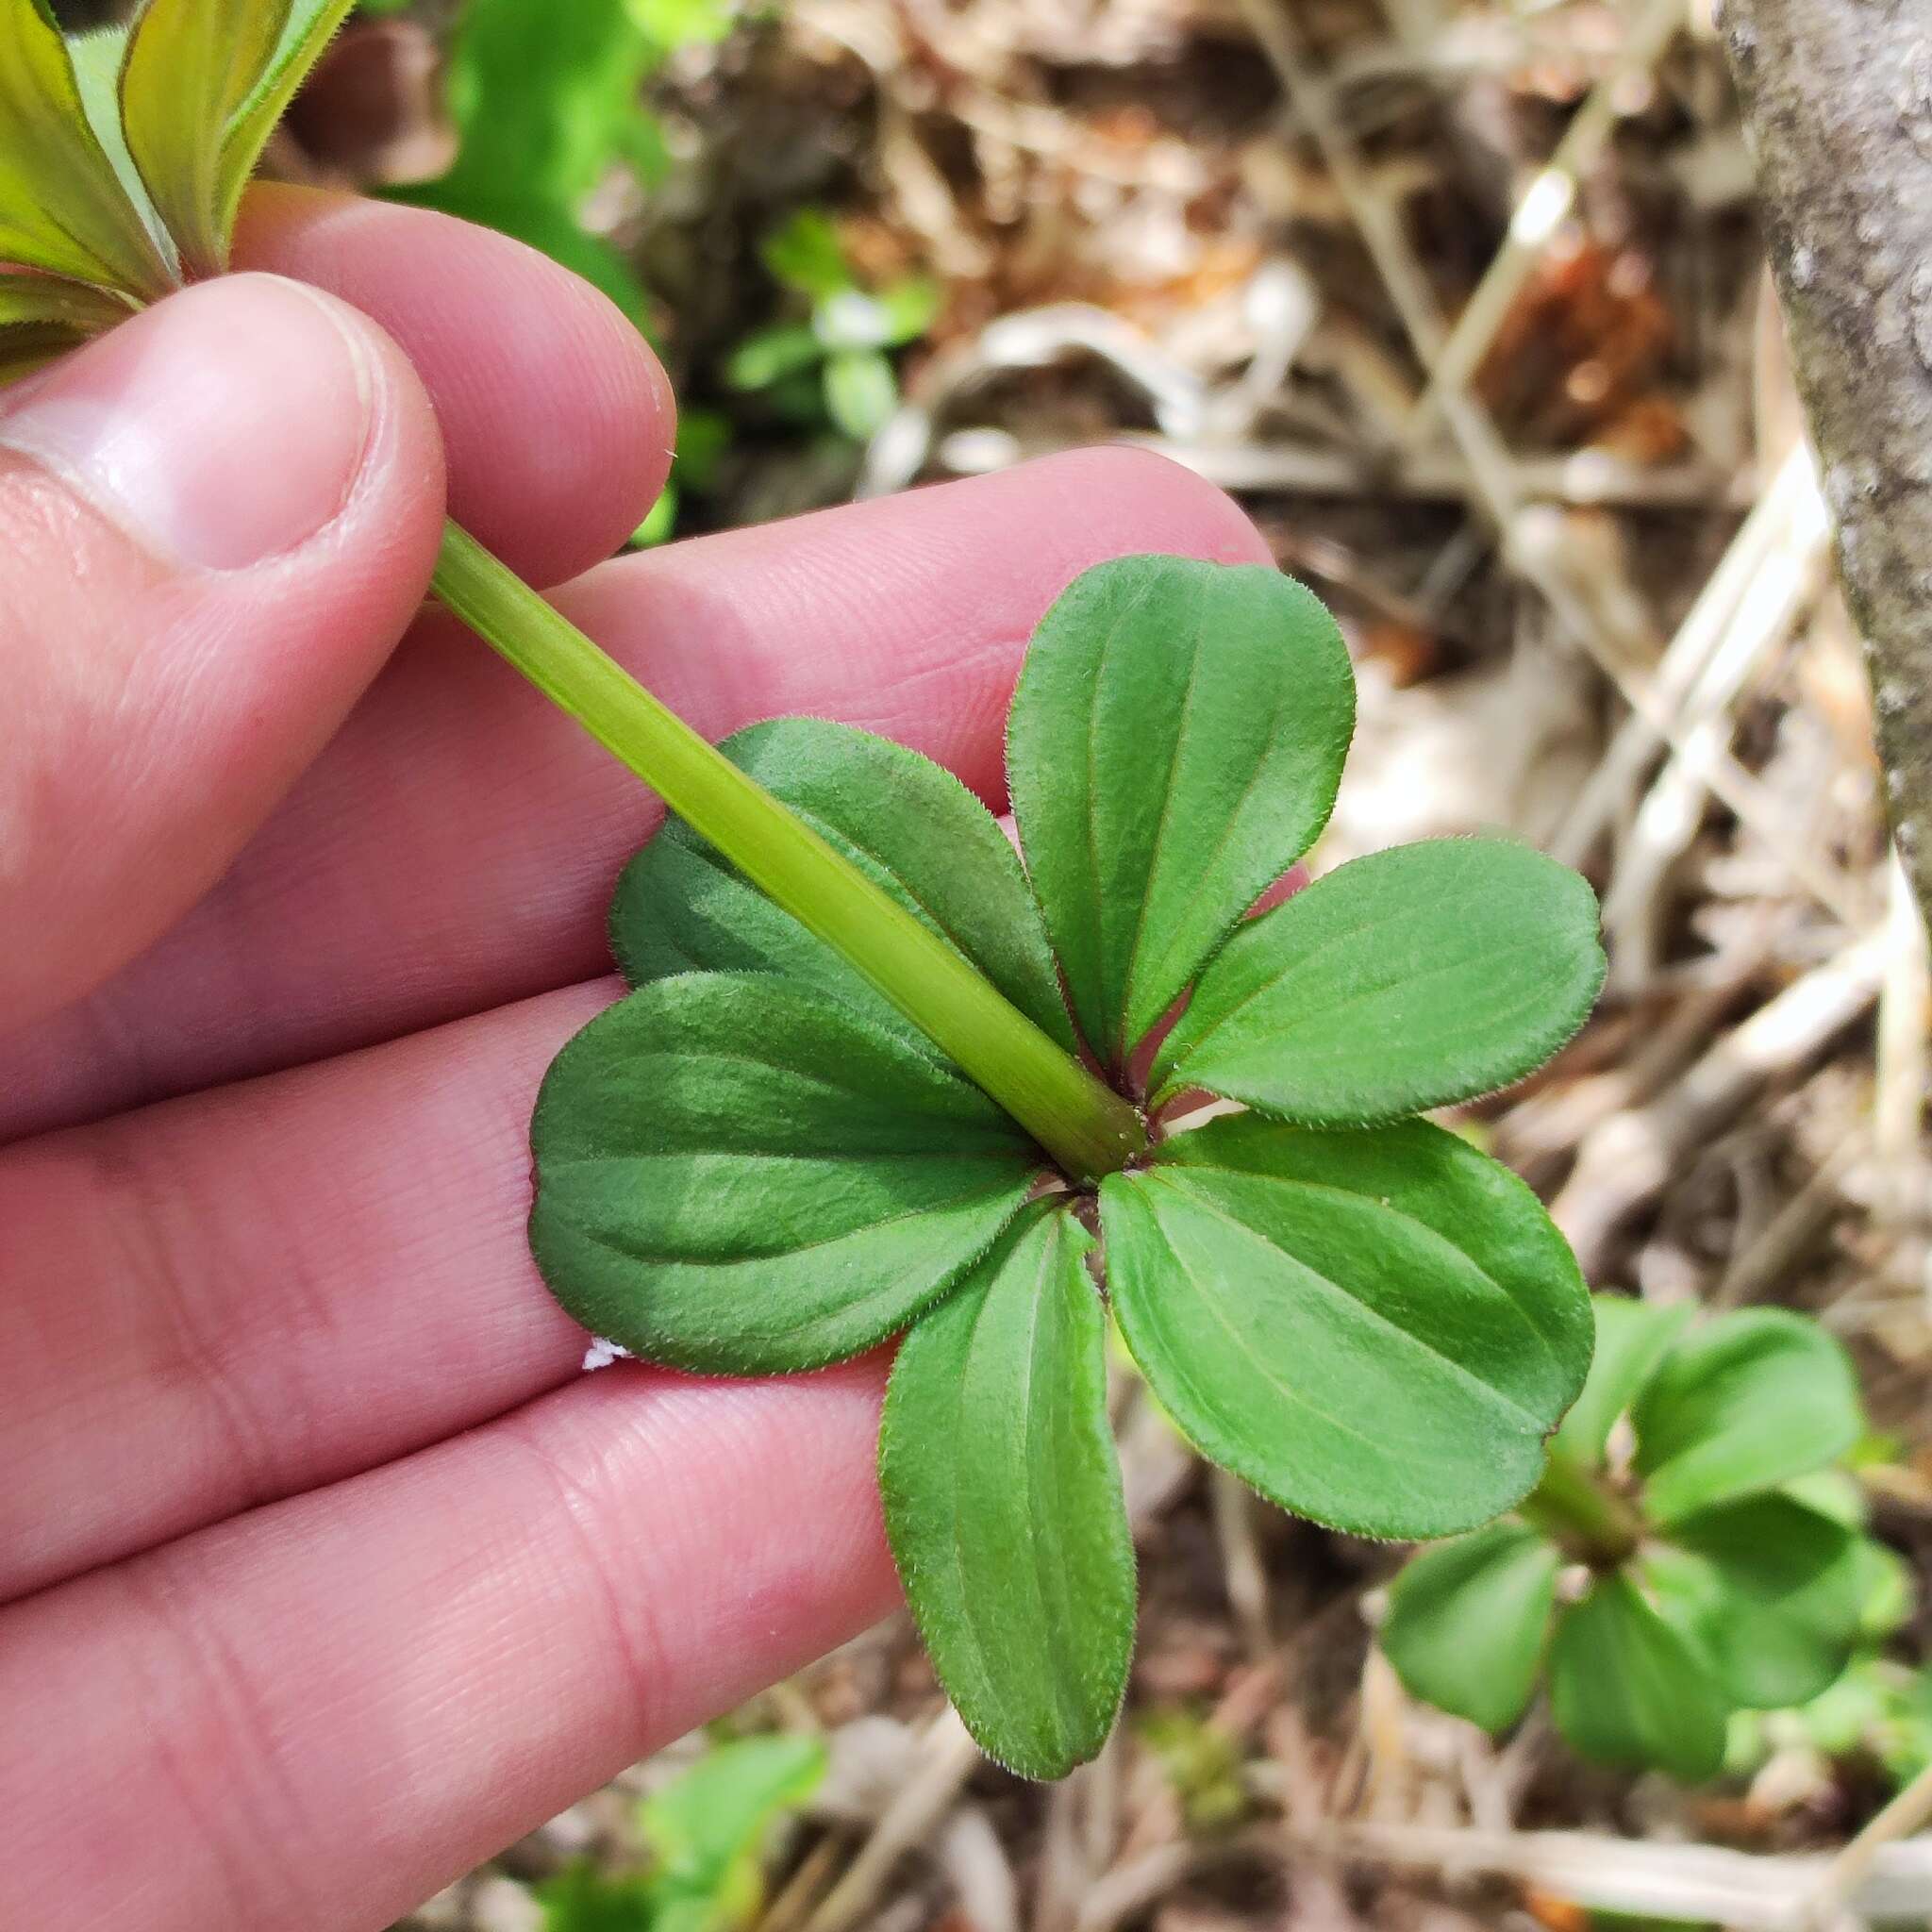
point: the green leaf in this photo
(704, 441)
(1887, 1590)
(539, 95)
(1002, 1500)
(862, 392)
(661, 519)
(63, 209)
(98, 58)
(1467, 1622)
(1174, 745)
(1770, 1593)
(737, 1176)
(1399, 982)
(674, 23)
(190, 66)
(911, 306)
(1377, 1330)
(770, 355)
(706, 1829)
(581, 1898)
(546, 102)
(1627, 1691)
(307, 28)
(1742, 1404)
(906, 822)
(29, 301)
(1835, 1492)
(29, 346)
(1631, 1339)
(805, 253)
(851, 319)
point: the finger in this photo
(339, 1704)
(556, 416)
(251, 1292)
(215, 523)
(457, 849)
(248, 1293)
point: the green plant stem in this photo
(1579, 1510)
(1090, 1130)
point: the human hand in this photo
(325, 1572)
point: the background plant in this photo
(834, 365)
(546, 105)
(547, 110)
(1726, 1570)
(705, 1831)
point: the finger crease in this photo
(170, 1274)
(634, 1639)
(243, 1802)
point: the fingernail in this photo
(227, 426)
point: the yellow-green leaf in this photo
(52, 302)
(191, 65)
(43, 317)
(31, 345)
(308, 28)
(62, 206)
(98, 58)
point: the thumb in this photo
(214, 526)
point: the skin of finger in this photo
(251, 1292)
(557, 418)
(457, 847)
(158, 712)
(316, 1715)
(383, 1194)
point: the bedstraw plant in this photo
(1688, 1555)
(880, 1076)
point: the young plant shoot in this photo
(1719, 1565)
(878, 1076)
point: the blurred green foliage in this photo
(1203, 1766)
(545, 100)
(707, 1830)
(830, 365)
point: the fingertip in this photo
(557, 419)
(1133, 499)
(235, 424)
(215, 523)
